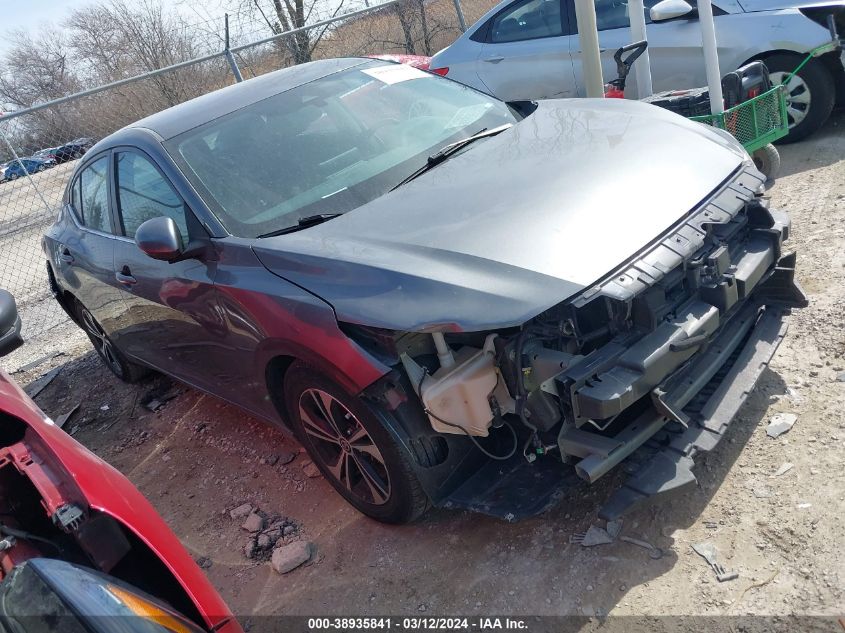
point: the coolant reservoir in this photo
(459, 394)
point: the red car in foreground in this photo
(77, 539)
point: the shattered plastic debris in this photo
(780, 424)
(708, 552)
(37, 386)
(593, 536)
(64, 417)
(653, 552)
(785, 468)
(614, 528)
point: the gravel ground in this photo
(197, 458)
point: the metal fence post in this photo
(229, 57)
(460, 11)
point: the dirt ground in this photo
(197, 458)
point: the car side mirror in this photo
(160, 239)
(671, 10)
(10, 324)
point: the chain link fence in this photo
(40, 146)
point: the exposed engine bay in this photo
(593, 378)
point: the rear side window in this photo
(93, 196)
(527, 20)
(143, 194)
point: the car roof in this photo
(188, 115)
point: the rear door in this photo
(85, 253)
(170, 316)
(526, 54)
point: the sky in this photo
(31, 13)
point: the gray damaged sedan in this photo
(450, 300)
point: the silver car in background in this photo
(529, 49)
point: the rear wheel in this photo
(810, 94)
(352, 447)
(112, 357)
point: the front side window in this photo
(94, 196)
(143, 194)
(614, 14)
(527, 20)
(328, 146)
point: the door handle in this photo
(494, 60)
(66, 257)
(125, 277)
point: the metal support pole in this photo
(711, 56)
(642, 67)
(460, 11)
(229, 57)
(588, 35)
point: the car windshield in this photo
(328, 146)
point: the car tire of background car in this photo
(41, 168)
(813, 93)
(767, 160)
(112, 357)
(352, 447)
(13, 176)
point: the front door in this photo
(674, 47)
(525, 55)
(170, 316)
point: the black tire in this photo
(13, 177)
(41, 168)
(767, 160)
(814, 78)
(108, 352)
(390, 493)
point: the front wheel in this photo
(810, 94)
(352, 448)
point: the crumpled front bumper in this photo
(707, 395)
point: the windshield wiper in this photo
(445, 152)
(303, 223)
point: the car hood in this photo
(515, 224)
(774, 5)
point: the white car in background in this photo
(529, 49)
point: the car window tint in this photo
(75, 200)
(327, 146)
(613, 14)
(94, 195)
(527, 20)
(143, 194)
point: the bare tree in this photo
(115, 39)
(287, 15)
(35, 69)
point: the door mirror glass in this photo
(10, 324)
(160, 239)
(670, 9)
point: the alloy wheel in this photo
(101, 342)
(344, 446)
(798, 97)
